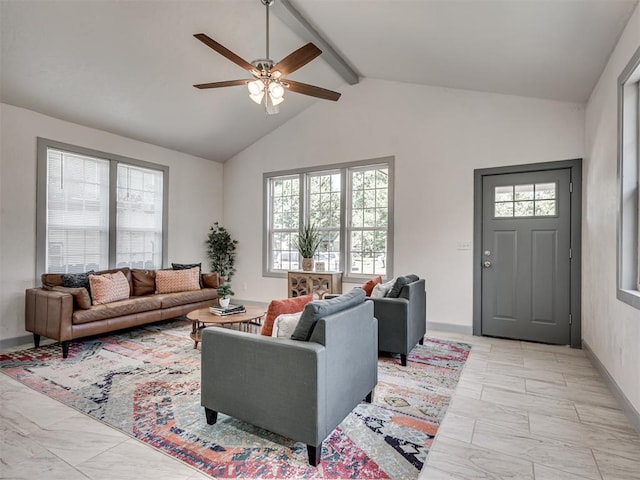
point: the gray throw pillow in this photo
(77, 280)
(412, 277)
(314, 311)
(397, 287)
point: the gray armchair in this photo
(298, 389)
(402, 321)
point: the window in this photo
(351, 206)
(532, 200)
(628, 288)
(97, 210)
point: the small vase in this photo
(307, 264)
(224, 302)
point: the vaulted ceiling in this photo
(128, 67)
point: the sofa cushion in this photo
(81, 298)
(285, 324)
(210, 280)
(369, 285)
(314, 311)
(144, 282)
(76, 280)
(278, 307)
(116, 309)
(382, 289)
(187, 266)
(108, 287)
(412, 277)
(171, 281)
(168, 300)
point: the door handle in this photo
(486, 264)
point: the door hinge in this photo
(570, 319)
(570, 254)
(570, 187)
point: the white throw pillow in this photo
(382, 289)
(285, 324)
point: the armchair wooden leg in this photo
(403, 359)
(421, 342)
(314, 454)
(369, 397)
(65, 349)
(212, 416)
(36, 340)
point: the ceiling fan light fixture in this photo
(276, 92)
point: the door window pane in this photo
(530, 200)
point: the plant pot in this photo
(224, 302)
(307, 264)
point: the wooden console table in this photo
(317, 283)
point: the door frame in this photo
(575, 167)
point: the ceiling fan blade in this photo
(225, 52)
(297, 59)
(311, 90)
(229, 83)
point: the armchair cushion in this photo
(369, 285)
(397, 286)
(278, 307)
(382, 289)
(313, 311)
(285, 324)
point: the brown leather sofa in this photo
(63, 314)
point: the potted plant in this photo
(309, 238)
(221, 251)
(224, 294)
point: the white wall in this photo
(610, 327)
(438, 137)
(195, 199)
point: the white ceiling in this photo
(128, 67)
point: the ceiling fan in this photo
(269, 83)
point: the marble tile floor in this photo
(521, 411)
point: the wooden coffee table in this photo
(202, 319)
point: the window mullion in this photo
(113, 211)
(345, 218)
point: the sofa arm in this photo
(49, 313)
(273, 383)
(393, 323)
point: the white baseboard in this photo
(449, 327)
(627, 407)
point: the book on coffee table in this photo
(230, 310)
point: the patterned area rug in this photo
(146, 383)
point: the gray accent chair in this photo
(402, 321)
(298, 389)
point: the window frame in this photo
(628, 221)
(303, 173)
(43, 144)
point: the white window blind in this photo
(77, 224)
(139, 217)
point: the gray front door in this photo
(526, 268)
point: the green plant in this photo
(309, 238)
(221, 251)
(224, 290)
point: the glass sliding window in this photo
(368, 225)
(77, 212)
(284, 222)
(139, 217)
(324, 212)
